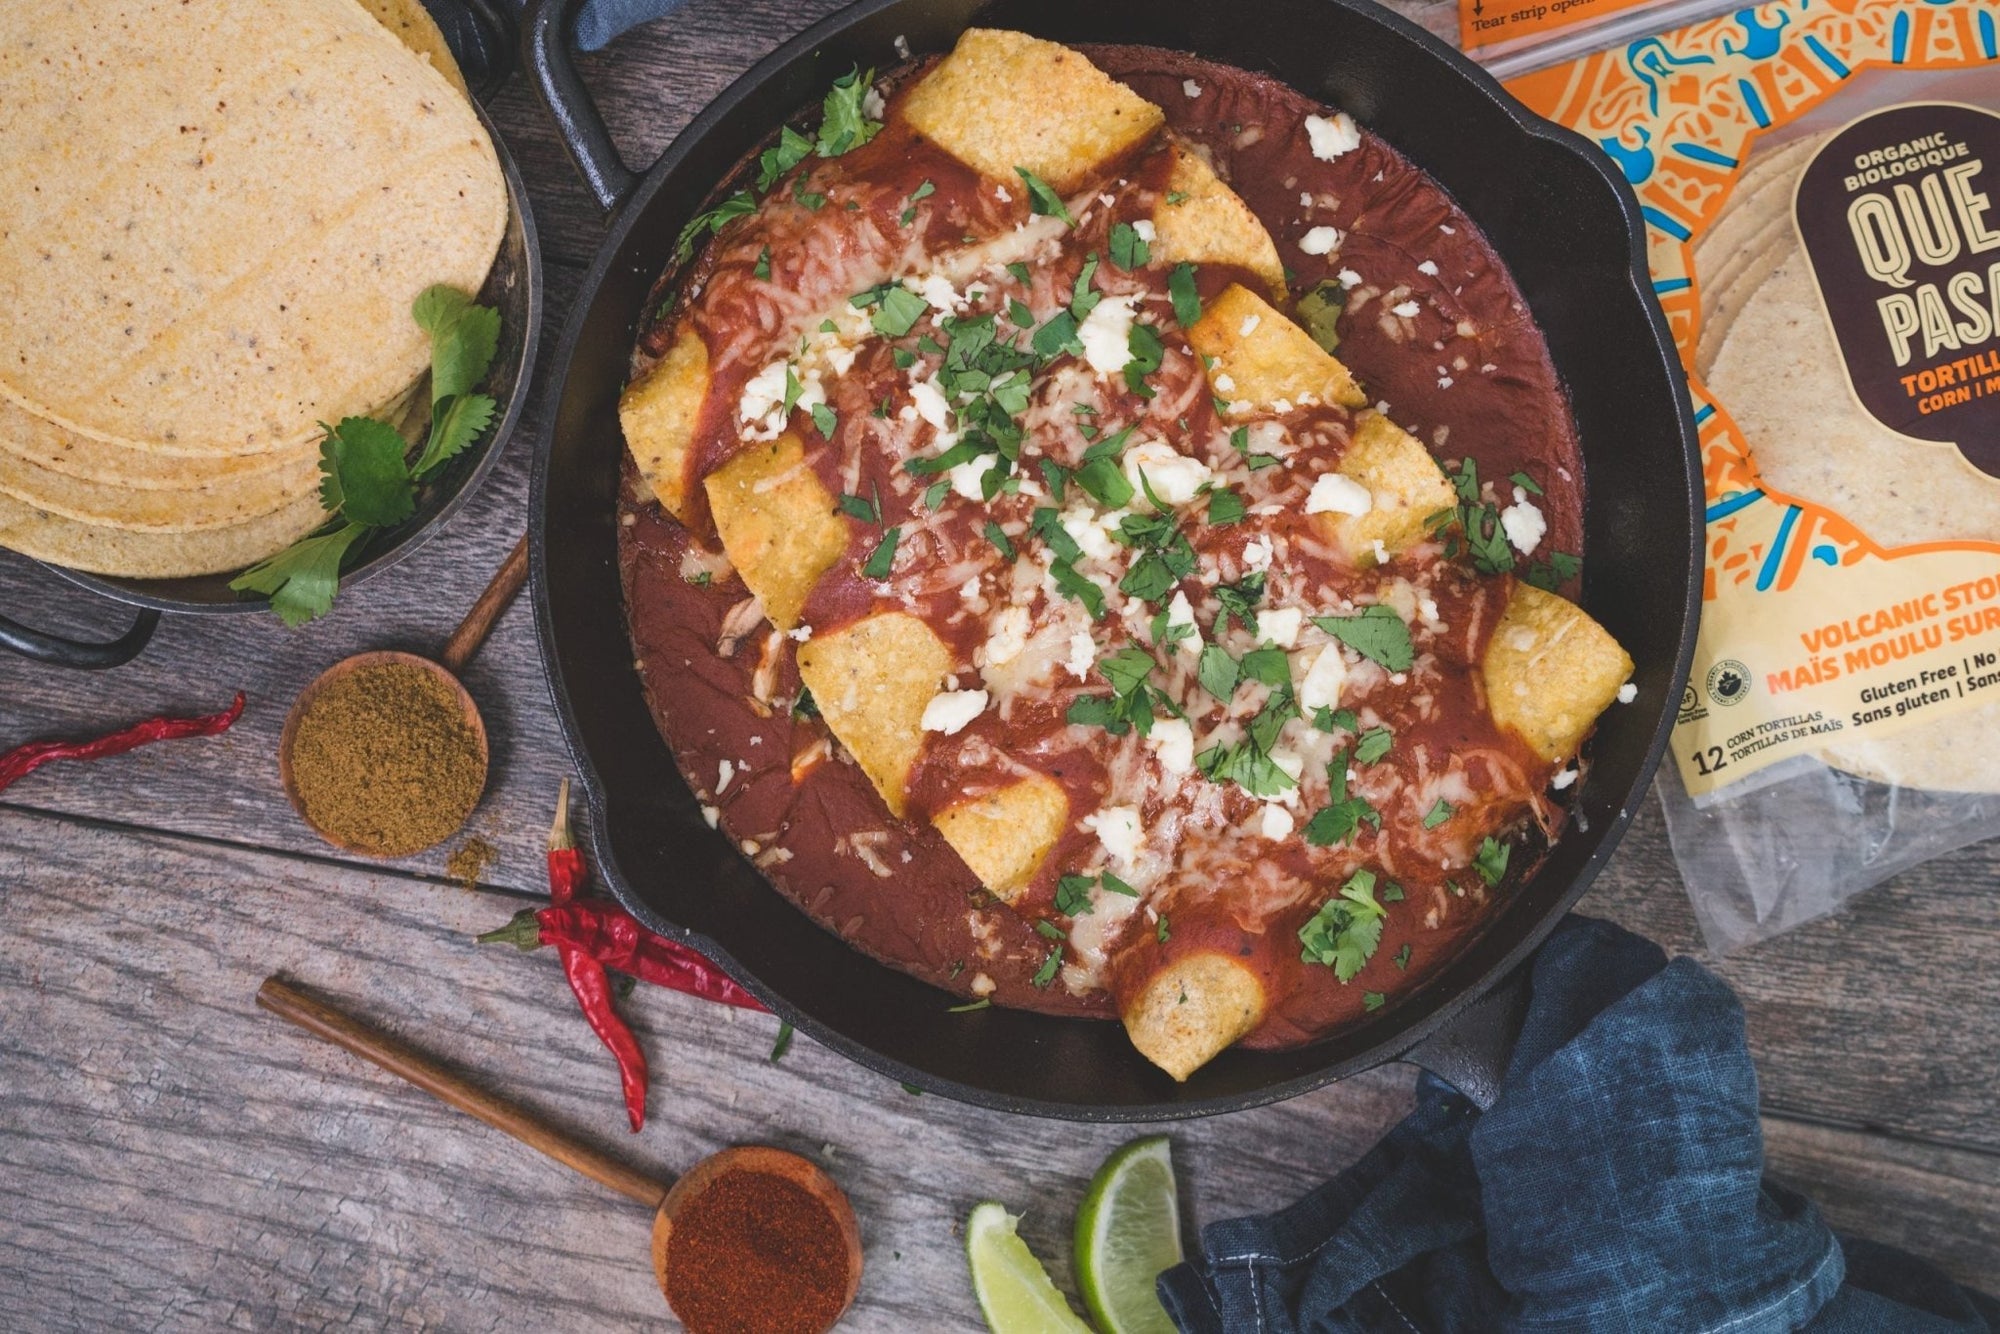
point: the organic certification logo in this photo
(1728, 682)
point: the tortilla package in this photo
(1821, 188)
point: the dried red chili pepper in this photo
(567, 872)
(21, 761)
(617, 940)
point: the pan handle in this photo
(81, 654)
(545, 51)
(482, 38)
(1472, 1050)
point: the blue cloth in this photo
(1617, 1183)
(601, 20)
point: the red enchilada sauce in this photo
(1434, 329)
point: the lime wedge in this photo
(1014, 1291)
(1127, 1232)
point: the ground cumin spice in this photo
(383, 760)
(754, 1253)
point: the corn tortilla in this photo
(1274, 362)
(778, 524)
(1004, 835)
(1405, 482)
(1190, 1010)
(1550, 671)
(872, 681)
(222, 286)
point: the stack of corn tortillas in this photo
(1767, 354)
(217, 217)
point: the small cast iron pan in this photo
(1559, 214)
(482, 39)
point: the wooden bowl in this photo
(801, 1172)
(345, 667)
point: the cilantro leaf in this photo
(1438, 813)
(1225, 507)
(1344, 933)
(1320, 311)
(456, 423)
(1147, 354)
(790, 150)
(1076, 586)
(364, 475)
(1187, 301)
(824, 420)
(1083, 298)
(1117, 886)
(1240, 600)
(1550, 575)
(1044, 200)
(998, 537)
(1491, 860)
(1073, 895)
(1239, 440)
(1376, 633)
(1057, 337)
(712, 221)
(923, 191)
(1217, 672)
(464, 338)
(1104, 481)
(301, 579)
(1129, 250)
(1373, 744)
(1374, 1000)
(1050, 966)
(762, 271)
(898, 313)
(884, 556)
(845, 125)
(858, 507)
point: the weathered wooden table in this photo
(171, 1157)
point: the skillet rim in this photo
(1418, 1022)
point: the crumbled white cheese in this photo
(1337, 493)
(1249, 325)
(1172, 475)
(931, 403)
(1406, 309)
(1523, 523)
(949, 711)
(1305, 199)
(1106, 334)
(1331, 138)
(1627, 693)
(965, 477)
(1173, 741)
(872, 105)
(1321, 241)
(1257, 553)
(798, 634)
(1563, 779)
(1082, 654)
(937, 292)
(1225, 383)
(1320, 687)
(1191, 88)
(1428, 267)
(1145, 230)
(1119, 830)
(969, 590)
(1349, 279)
(763, 394)
(1008, 636)
(711, 815)
(1087, 532)
(902, 47)
(723, 774)
(1000, 193)
(1280, 627)
(1276, 823)
(1181, 612)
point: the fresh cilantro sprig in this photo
(1376, 633)
(1343, 815)
(1132, 700)
(1043, 199)
(1345, 932)
(367, 479)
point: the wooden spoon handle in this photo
(478, 622)
(370, 1044)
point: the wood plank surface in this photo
(173, 1158)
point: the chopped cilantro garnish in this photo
(1346, 930)
(811, 199)
(1267, 665)
(1372, 1000)
(845, 125)
(1050, 966)
(1051, 930)
(1376, 633)
(1057, 337)
(1129, 250)
(1021, 274)
(924, 191)
(998, 537)
(701, 578)
(1337, 821)
(1117, 886)
(899, 312)
(868, 511)
(1249, 768)
(1147, 354)
(1017, 311)
(1044, 200)
(1391, 893)
(1491, 860)
(805, 706)
(983, 1003)
(1525, 482)
(790, 150)
(1551, 574)
(1373, 744)
(1320, 311)
(884, 557)
(738, 205)
(1076, 586)
(1187, 301)
(1083, 298)
(1217, 672)
(1178, 197)
(1402, 959)
(1057, 478)
(1438, 813)
(763, 269)
(1240, 600)
(1239, 440)
(1073, 895)
(1328, 719)
(1102, 479)
(1161, 932)
(935, 493)
(824, 419)
(1130, 705)
(1479, 531)
(783, 1043)
(1225, 507)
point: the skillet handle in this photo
(545, 51)
(1471, 1053)
(482, 38)
(80, 654)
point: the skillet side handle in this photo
(1472, 1051)
(545, 52)
(78, 654)
(482, 39)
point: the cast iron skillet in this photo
(481, 36)
(1567, 226)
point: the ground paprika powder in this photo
(754, 1253)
